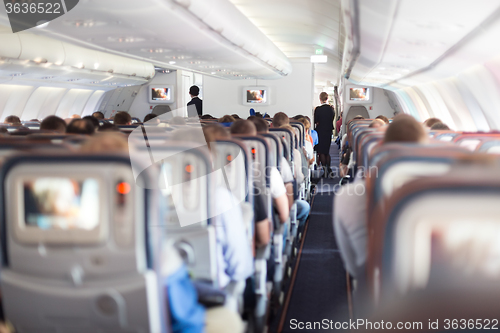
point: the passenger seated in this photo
(234, 256)
(280, 119)
(150, 116)
(384, 119)
(93, 120)
(349, 216)
(227, 119)
(262, 230)
(440, 127)
(122, 118)
(98, 115)
(54, 124)
(431, 121)
(376, 123)
(186, 314)
(111, 142)
(13, 121)
(278, 188)
(80, 126)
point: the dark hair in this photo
(260, 124)
(3, 130)
(235, 116)
(216, 132)
(280, 119)
(80, 126)
(122, 118)
(14, 120)
(243, 127)
(98, 115)
(383, 118)
(440, 126)
(53, 123)
(108, 127)
(194, 91)
(358, 118)
(207, 116)
(93, 120)
(150, 116)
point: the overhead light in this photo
(40, 60)
(171, 62)
(319, 58)
(213, 73)
(96, 65)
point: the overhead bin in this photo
(39, 57)
(223, 18)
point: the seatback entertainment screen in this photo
(61, 203)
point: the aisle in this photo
(319, 287)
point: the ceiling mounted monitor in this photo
(256, 96)
(359, 95)
(163, 94)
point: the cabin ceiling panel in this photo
(208, 36)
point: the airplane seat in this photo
(429, 237)
(489, 146)
(472, 141)
(76, 250)
(301, 135)
(399, 168)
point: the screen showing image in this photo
(359, 94)
(256, 96)
(61, 203)
(160, 94)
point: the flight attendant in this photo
(194, 91)
(323, 121)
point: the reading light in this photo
(123, 188)
(319, 58)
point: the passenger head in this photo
(226, 119)
(194, 91)
(108, 142)
(3, 130)
(377, 123)
(93, 120)
(122, 118)
(404, 128)
(80, 126)
(440, 127)
(207, 117)
(306, 122)
(323, 97)
(76, 116)
(358, 118)
(235, 116)
(431, 121)
(260, 124)
(98, 115)
(384, 119)
(13, 121)
(216, 131)
(243, 127)
(149, 116)
(53, 123)
(280, 119)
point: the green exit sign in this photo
(319, 51)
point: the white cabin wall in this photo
(140, 105)
(292, 94)
(381, 104)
